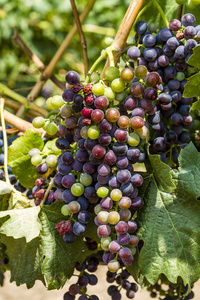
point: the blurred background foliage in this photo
(43, 25)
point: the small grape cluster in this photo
(39, 190)
(84, 279)
(121, 278)
(173, 291)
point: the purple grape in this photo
(125, 253)
(149, 40)
(188, 19)
(79, 228)
(133, 53)
(58, 180)
(123, 176)
(137, 203)
(84, 217)
(68, 95)
(77, 165)
(123, 239)
(165, 34)
(42, 168)
(68, 181)
(105, 126)
(107, 257)
(138, 111)
(176, 96)
(90, 194)
(114, 183)
(71, 122)
(163, 60)
(106, 203)
(103, 170)
(121, 227)
(122, 162)
(184, 137)
(62, 144)
(140, 27)
(174, 25)
(69, 238)
(83, 203)
(110, 158)
(104, 230)
(150, 94)
(173, 43)
(176, 119)
(72, 77)
(89, 168)
(150, 54)
(82, 155)
(89, 144)
(137, 180)
(64, 169)
(189, 45)
(68, 196)
(133, 154)
(159, 144)
(104, 139)
(58, 195)
(132, 226)
(83, 281)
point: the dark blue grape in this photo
(69, 238)
(150, 54)
(79, 228)
(68, 95)
(140, 27)
(149, 40)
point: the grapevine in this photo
(114, 177)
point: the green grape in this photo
(152, 27)
(105, 241)
(93, 132)
(143, 132)
(86, 179)
(77, 189)
(102, 192)
(107, 41)
(98, 89)
(113, 266)
(49, 104)
(118, 85)
(113, 217)
(109, 93)
(51, 161)
(180, 76)
(40, 101)
(133, 139)
(51, 128)
(66, 111)
(105, 248)
(180, 2)
(36, 159)
(116, 195)
(133, 250)
(111, 73)
(120, 96)
(57, 101)
(97, 209)
(141, 72)
(38, 122)
(102, 217)
(65, 210)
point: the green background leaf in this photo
(19, 159)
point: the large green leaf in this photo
(59, 257)
(169, 221)
(196, 107)
(25, 260)
(192, 88)
(21, 223)
(194, 58)
(19, 159)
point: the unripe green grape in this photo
(38, 122)
(66, 111)
(97, 209)
(120, 96)
(51, 161)
(57, 101)
(93, 132)
(192, 4)
(74, 207)
(84, 132)
(34, 151)
(180, 76)
(105, 241)
(133, 139)
(152, 27)
(36, 160)
(113, 217)
(65, 210)
(51, 128)
(116, 195)
(86, 179)
(143, 132)
(49, 104)
(118, 85)
(104, 248)
(180, 2)
(109, 93)
(141, 72)
(102, 192)
(111, 73)
(98, 89)
(77, 189)
(102, 217)
(113, 266)
(107, 41)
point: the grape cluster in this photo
(121, 279)
(84, 279)
(167, 54)
(172, 292)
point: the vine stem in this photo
(35, 59)
(143, 10)
(180, 10)
(101, 57)
(4, 90)
(5, 141)
(82, 36)
(15, 106)
(124, 30)
(51, 66)
(159, 8)
(47, 192)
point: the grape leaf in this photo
(5, 188)
(19, 159)
(192, 88)
(169, 221)
(194, 58)
(59, 257)
(196, 107)
(19, 223)
(25, 260)
(17, 201)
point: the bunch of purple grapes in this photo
(167, 54)
(84, 279)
